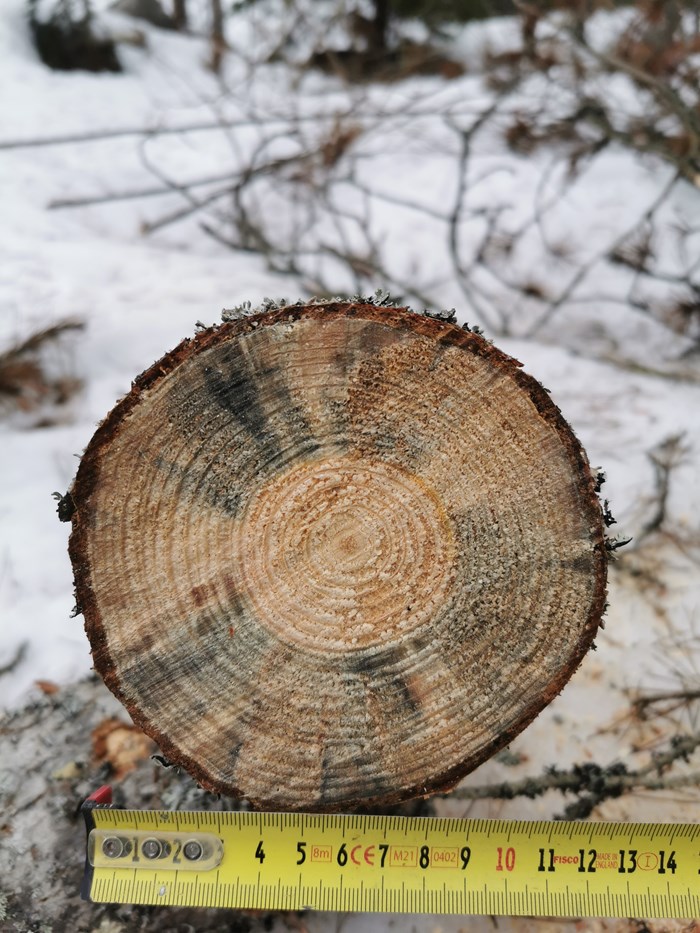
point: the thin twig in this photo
(663, 91)
(664, 458)
(674, 697)
(16, 659)
(585, 268)
(36, 340)
(207, 126)
(593, 784)
(192, 207)
(134, 194)
(464, 278)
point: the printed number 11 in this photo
(550, 867)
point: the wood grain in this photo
(332, 556)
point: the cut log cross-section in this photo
(336, 555)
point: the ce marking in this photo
(368, 855)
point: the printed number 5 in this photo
(301, 849)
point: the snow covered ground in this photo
(139, 295)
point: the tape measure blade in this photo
(407, 865)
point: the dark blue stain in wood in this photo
(234, 386)
(259, 399)
(381, 672)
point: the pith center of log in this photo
(342, 554)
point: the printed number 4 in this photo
(260, 853)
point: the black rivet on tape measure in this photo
(153, 848)
(192, 850)
(114, 847)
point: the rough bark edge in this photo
(400, 318)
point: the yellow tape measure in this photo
(295, 861)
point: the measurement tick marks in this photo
(295, 861)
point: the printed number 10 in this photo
(509, 859)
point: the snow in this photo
(140, 295)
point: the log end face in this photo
(334, 557)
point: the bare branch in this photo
(592, 784)
(135, 194)
(586, 268)
(16, 659)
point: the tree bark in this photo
(180, 14)
(336, 555)
(218, 41)
(380, 23)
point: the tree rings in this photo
(336, 555)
